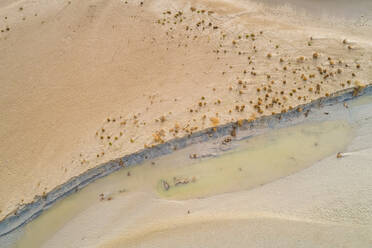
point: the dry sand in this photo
(83, 82)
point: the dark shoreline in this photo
(32, 210)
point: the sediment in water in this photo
(28, 212)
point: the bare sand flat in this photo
(83, 82)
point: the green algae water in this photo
(257, 160)
(253, 162)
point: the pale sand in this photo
(325, 205)
(68, 66)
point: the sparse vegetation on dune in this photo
(191, 68)
(187, 26)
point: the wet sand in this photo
(80, 85)
(272, 202)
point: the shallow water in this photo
(254, 162)
(361, 101)
(176, 179)
(258, 160)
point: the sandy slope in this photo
(83, 82)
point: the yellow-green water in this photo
(258, 160)
(255, 161)
(361, 101)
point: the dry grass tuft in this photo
(215, 121)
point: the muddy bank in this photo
(268, 177)
(241, 128)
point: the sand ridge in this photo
(86, 82)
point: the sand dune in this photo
(83, 82)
